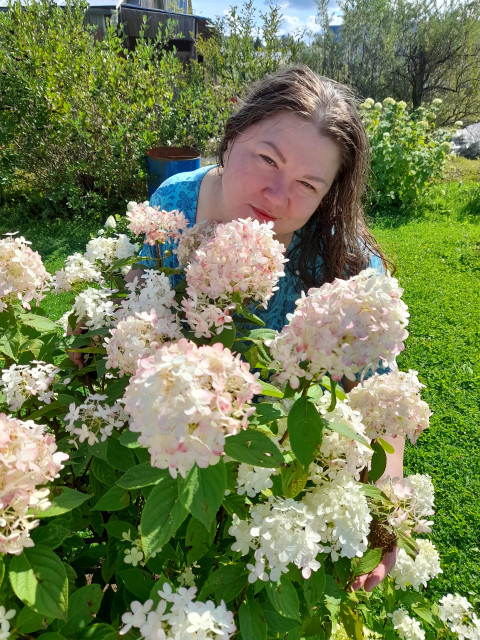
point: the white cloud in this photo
(296, 25)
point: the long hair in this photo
(337, 231)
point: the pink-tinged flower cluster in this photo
(156, 225)
(412, 500)
(184, 400)
(191, 240)
(343, 328)
(138, 336)
(28, 460)
(22, 381)
(391, 405)
(243, 259)
(23, 275)
(179, 616)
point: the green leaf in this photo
(226, 337)
(116, 389)
(252, 621)
(294, 479)
(276, 622)
(40, 323)
(348, 432)
(388, 448)
(138, 582)
(142, 475)
(314, 587)
(116, 528)
(83, 606)
(162, 514)
(199, 539)
(50, 535)
(100, 631)
(407, 543)
(255, 448)
(371, 491)
(2, 570)
(51, 635)
(39, 579)
(378, 463)
(118, 456)
(227, 582)
(368, 561)
(103, 472)
(351, 621)
(245, 312)
(130, 439)
(268, 412)
(63, 500)
(202, 492)
(260, 335)
(269, 390)
(284, 598)
(305, 429)
(115, 499)
(29, 620)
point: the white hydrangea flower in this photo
(407, 627)
(179, 616)
(342, 516)
(281, 531)
(253, 480)
(338, 451)
(133, 556)
(155, 292)
(77, 269)
(413, 499)
(456, 611)
(94, 307)
(5, 617)
(419, 571)
(93, 420)
(21, 381)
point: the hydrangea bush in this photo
(207, 479)
(408, 152)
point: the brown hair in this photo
(337, 231)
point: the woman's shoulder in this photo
(179, 188)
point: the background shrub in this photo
(408, 152)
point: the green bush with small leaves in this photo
(407, 151)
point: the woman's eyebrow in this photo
(283, 159)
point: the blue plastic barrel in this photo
(163, 162)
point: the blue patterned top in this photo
(181, 192)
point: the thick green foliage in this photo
(408, 153)
(78, 114)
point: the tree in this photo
(411, 50)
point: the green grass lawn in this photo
(437, 253)
(438, 260)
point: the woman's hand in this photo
(393, 469)
(370, 580)
(75, 356)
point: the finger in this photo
(371, 580)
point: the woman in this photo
(296, 154)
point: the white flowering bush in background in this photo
(202, 476)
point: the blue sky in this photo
(297, 14)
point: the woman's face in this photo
(278, 170)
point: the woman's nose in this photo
(276, 191)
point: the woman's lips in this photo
(263, 216)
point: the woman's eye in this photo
(269, 160)
(308, 185)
